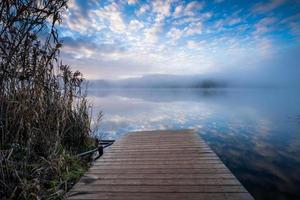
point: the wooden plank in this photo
(159, 165)
(94, 176)
(174, 158)
(158, 181)
(173, 150)
(162, 171)
(160, 145)
(161, 155)
(159, 188)
(155, 149)
(155, 162)
(175, 144)
(165, 196)
(173, 166)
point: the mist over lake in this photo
(256, 132)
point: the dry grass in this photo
(44, 115)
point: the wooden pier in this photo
(153, 165)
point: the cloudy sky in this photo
(116, 39)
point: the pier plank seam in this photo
(166, 165)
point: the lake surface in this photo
(256, 132)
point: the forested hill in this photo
(160, 81)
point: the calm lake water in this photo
(256, 132)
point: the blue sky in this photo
(130, 38)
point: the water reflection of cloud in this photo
(250, 136)
(149, 115)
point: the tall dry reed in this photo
(44, 115)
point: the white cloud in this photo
(192, 44)
(185, 20)
(135, 25)
(264, 25)
(206, 15)
(97, 19)
(293, 23)
(221, 24)
(192, 19)
(74, 20)
(142, 9)
(265, 47)
(178, 10)
(164, 37)
(131, 2)
(192, 7)
(234, 21)
(194, 28)
(72, 5)
(175, 34)
(162, 9)
(295, 29)
(112, 14)
(151, 34)
(265, 7)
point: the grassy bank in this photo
(44, 115)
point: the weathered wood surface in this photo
(159, 165)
